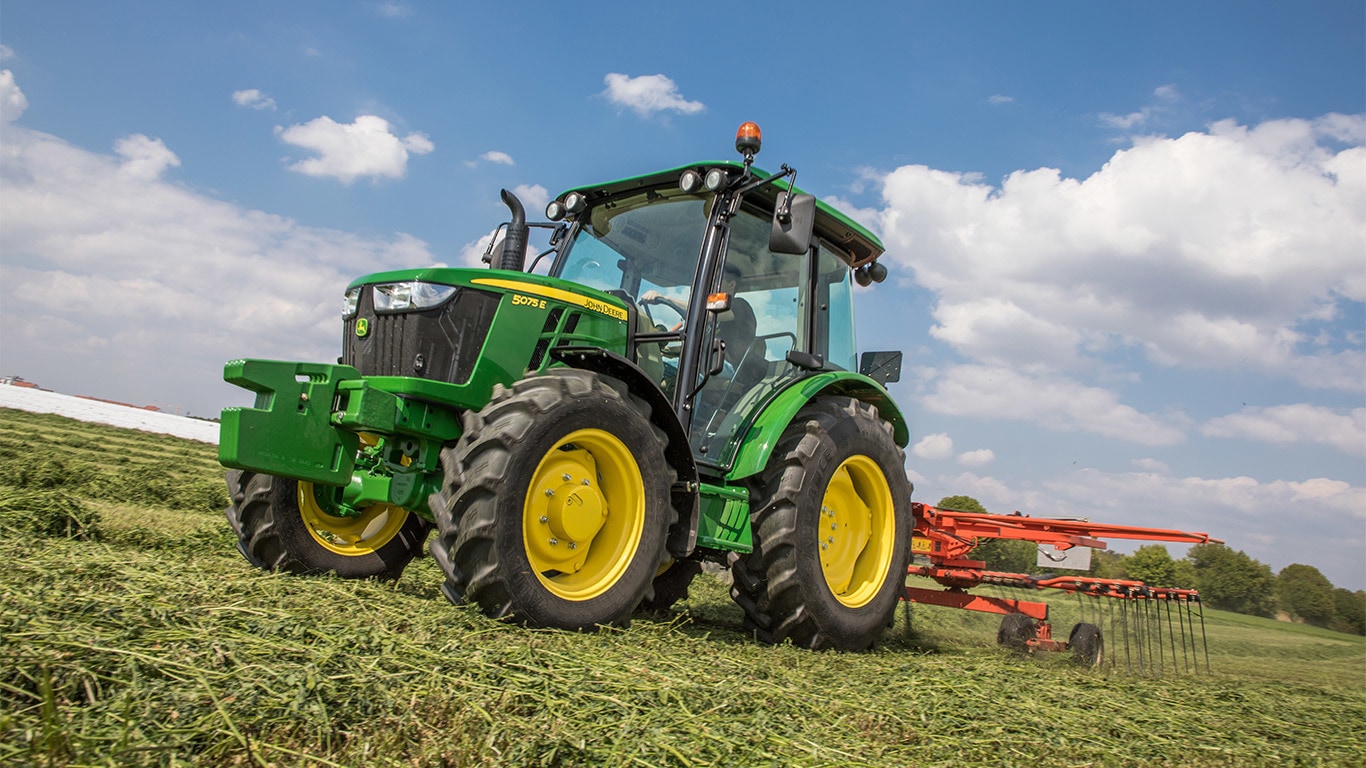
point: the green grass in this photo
(141, 637)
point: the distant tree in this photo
(1350, 608)
(1230, 580)
(1107, 564)
(1152, 565)
(1007, 555)
(1306, 594)
(962, 504)
(1185, 575)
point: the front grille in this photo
(442, 343)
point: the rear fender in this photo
(763, 435)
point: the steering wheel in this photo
(669, 350)
(645, 305)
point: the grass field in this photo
(132, 633)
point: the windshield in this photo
(644, 248)
(648, 241)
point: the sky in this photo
(1126, 242)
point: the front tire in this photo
(832, 527)
(283, 525)
(555, 506)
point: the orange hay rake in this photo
(943, 538)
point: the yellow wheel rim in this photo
(376, 526)
(857, 531)
(584, 514)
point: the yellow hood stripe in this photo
(558, 294)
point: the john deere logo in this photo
(362, 327)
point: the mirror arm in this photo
(783, 173)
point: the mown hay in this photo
(46, 512)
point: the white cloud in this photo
(978, 458)
(1299, 423)
(1152, 465)
(111, 275)
(1128, 121)
(1053, 402)
(494, 156)
(648, 94)
(395, 10)
(934, 447)
(6, 53)
(1001, 332)
(998, 99)
(1208, 251)
(534, 197)
(253, 99)
(12, 101)
(418, 143)
(472, 253)
(144, 158)
(347, 152)
(1167, 92)
(1166, 96)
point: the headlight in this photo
(349, 301)
(415, 294)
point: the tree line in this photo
(1226, 578)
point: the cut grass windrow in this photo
(156, 644)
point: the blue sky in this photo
(1127, 243)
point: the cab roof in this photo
(833, 226)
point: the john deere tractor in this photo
(673, 381)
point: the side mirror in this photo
(792, 227)
(882, 367)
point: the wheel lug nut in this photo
(544, 519)
(549, 492)
(585, 481)
(566, 477)
(573, 545)
(553, 542)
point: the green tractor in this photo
(673, 381)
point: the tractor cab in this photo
(738, 284)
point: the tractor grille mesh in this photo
(442, 343)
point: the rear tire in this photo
(556, 504)
(832, 524)
(282, 526)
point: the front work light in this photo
(555, 210)
(414, 294)
(690, 181)
(350, 300)
(575, 202)
(716, 179)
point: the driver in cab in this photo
(736, 326)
